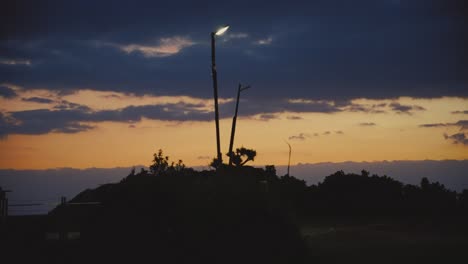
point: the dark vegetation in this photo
(242, 214)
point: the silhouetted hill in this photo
(174, 214)
(240, 212)
(184, 217)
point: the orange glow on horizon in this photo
(111, 144)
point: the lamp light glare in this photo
(221, 31)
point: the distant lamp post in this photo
(289, 159)
(219, 32)
(234, 120)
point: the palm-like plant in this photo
(242, 156)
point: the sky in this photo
(108, 83)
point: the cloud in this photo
(390, 64)
(354, 107)
(460, 112)
(15, 62)
(405, 109)
(39, 100)
(300, 137)
(166, 47)
(203, 157)
(462, 124)
(72, 128)
(75, 118)
(7, 92)
(434, 125)
(268, 109)
(264, 42)
(367, 124)
(458, 138)
(294, 118)
(327, 133)
(267, 117)
(66, 105)
(233, 36)
(339, 132)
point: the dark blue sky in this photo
(335, 50)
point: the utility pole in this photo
(289, 160)
(234, 120)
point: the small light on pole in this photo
(219, 32)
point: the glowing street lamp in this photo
(219, 32)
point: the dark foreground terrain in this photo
(245, 215)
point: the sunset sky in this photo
(107, 84)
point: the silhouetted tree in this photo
(160, 163)
(242, 156)
(424, 183)
(215, 163)
(270, 170)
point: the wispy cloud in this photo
(405, 109)
(294, 118)
(299, 137)
(367, 124)
(458, 138)
(15, 62)
(233, 36)
(460, 112)
(7, 92)
(462, 124)
(267, 117)
(39, 100)
(264, 42)
(165, 47)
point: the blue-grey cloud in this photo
(294, 118)
(460, 112)
(434, 125)
(458, 138)
(7, 92)
(38, 100)
(299, 137)
(405, 109)
(367, 124)
(319, 49)
(254, 106)
(267, 117)
(462, 124)
(68, 117)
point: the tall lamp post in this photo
(289, 159)
(234, 119)
(219, 32)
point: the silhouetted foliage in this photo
(163, 166)
(160, 163)
(241, 212)
(215, 163)
(242, 155)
